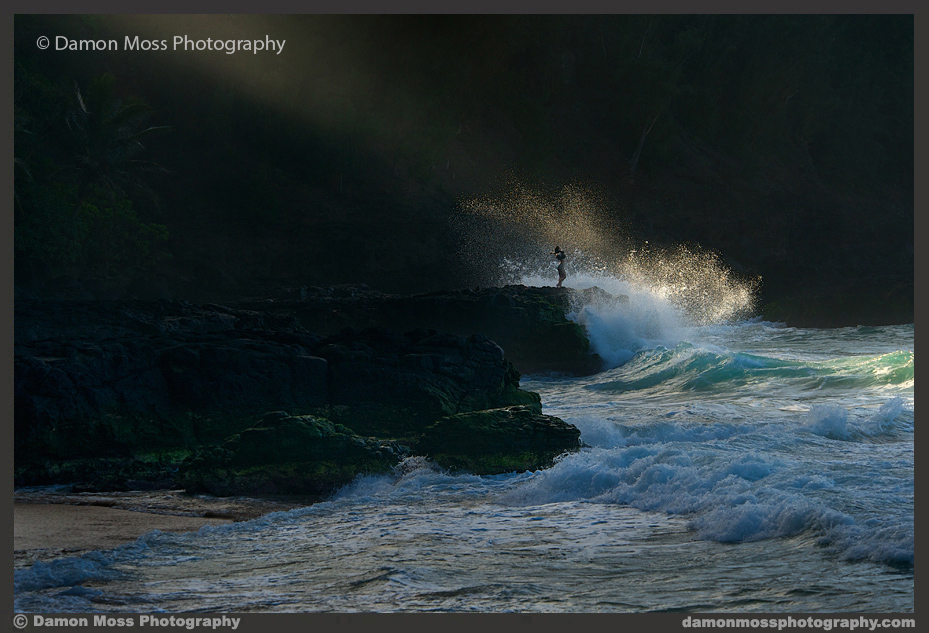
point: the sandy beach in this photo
(49, 524)
(44, 531)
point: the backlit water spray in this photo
(508, 239)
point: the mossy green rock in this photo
(105, 474)
(285, 454)
(500, 440)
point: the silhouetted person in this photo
(560, 257)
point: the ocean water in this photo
(731, 466)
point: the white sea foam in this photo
(829, 421)
(835, 422)
(728, 497)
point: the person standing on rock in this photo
(560, 258)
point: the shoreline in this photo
(50, 524)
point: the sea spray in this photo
(508, 238)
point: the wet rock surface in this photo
(496, 441)
(285, 454)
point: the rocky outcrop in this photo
(116, 392)
(498, 440)
(529, 323)
(387, 384)
(285, 454)
(104, 398)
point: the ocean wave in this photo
(834, 422)
(726, 494)
(69, 572)
(687, 367)
(604, 433)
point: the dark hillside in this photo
(784, 143)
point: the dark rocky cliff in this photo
(252, 402)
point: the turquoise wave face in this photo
(687, 368)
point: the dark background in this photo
(783, 143)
